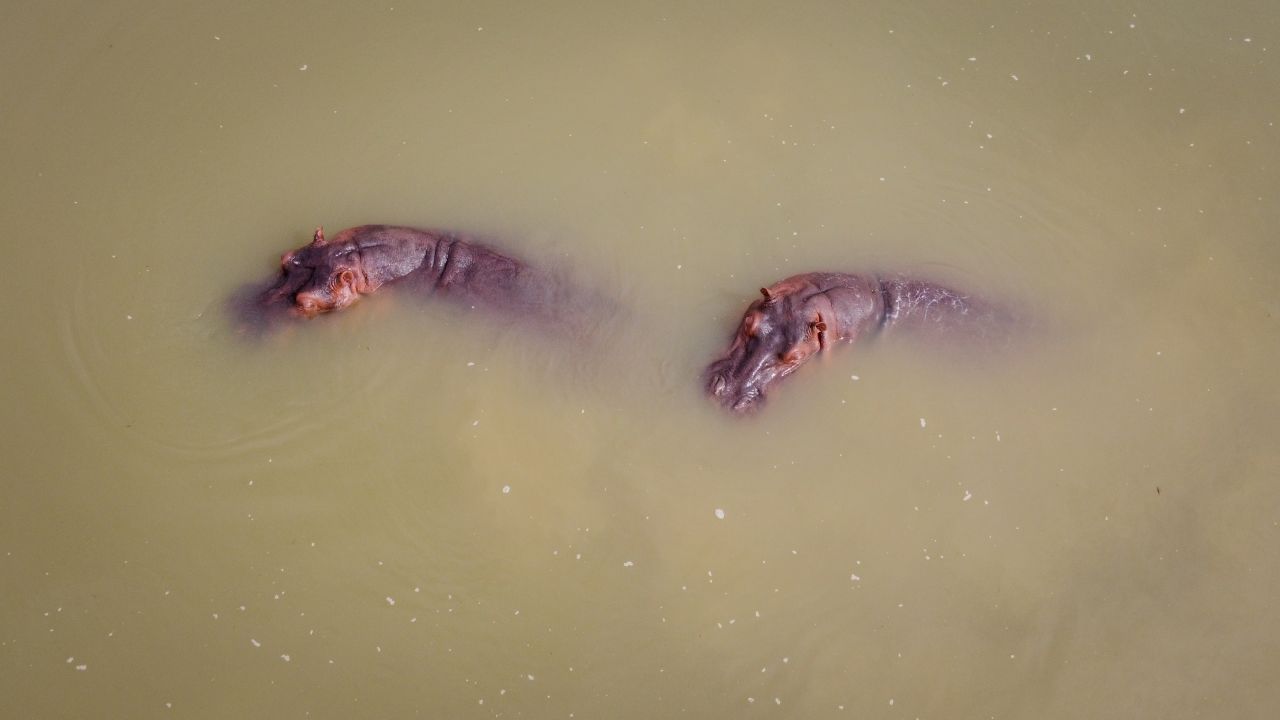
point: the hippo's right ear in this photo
(318, 238)
(767, 296)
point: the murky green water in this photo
(401, 511)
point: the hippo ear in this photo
(819, 328)
(318, 238)
(767, 296)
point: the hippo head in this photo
(319, 277)
(778, 334)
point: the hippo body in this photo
(329, 275)
(804, 315)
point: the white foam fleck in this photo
(720, 513)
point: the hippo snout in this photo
(731, 395)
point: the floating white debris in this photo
(628, 564)
(854, 577)
(853, 377)
(968, 496)
(284, 658)
(475, 423)
(506, 489)
(304, 67)
(720, 513)
(255, 643)
(82, 668)
(391, 600)
(922, 422)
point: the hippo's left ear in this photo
(318, 238)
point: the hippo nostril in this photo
(718, 385)
(307, 305)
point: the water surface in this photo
(406, 511)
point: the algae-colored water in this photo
(407, 511)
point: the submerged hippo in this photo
(325, 276)
(329, 275)
(804, 315)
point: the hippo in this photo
(804, 315)
(328, 275)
